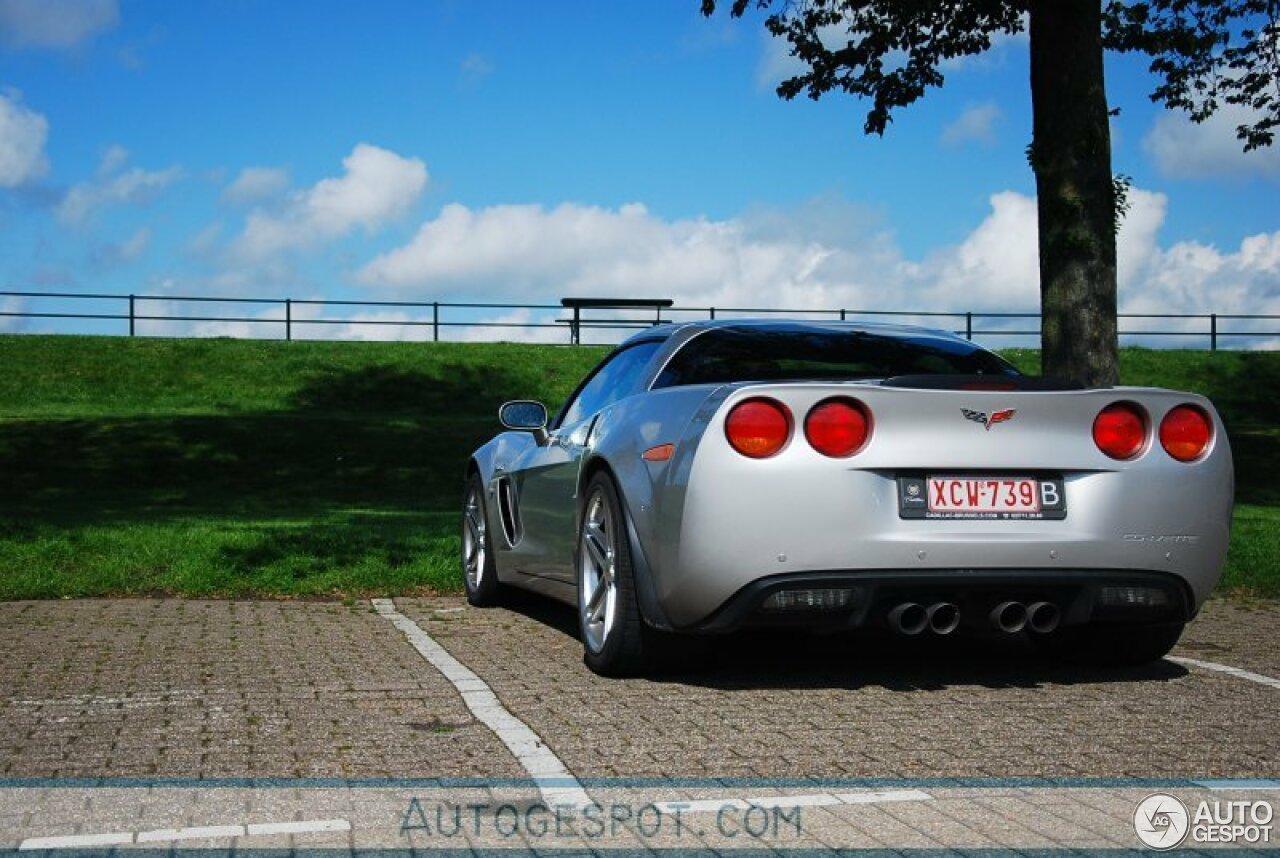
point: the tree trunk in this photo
(1071, 157)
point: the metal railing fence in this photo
(292, 317)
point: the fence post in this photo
(288, 319)
(968, 326)
(131, 315)
(842, 314)
(1213, 332)
(435, 321)
(713, 314)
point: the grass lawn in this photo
(223, 467)
(226, 467)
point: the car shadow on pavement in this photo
(780, 659)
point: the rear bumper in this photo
(1082, 596)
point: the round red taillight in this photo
(1120, 430)
(1185, 433)
(758, 428)
(837, 427)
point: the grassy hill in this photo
(227, 467)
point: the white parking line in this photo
(76, 841)
(557, 785)
(1227, 669)
(169, 835)
(318, 826)
(201, 832)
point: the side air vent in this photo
(509, 512)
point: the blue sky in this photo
(519, 152)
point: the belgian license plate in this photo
(959, 496)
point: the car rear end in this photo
(851, 505)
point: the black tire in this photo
(615, 639)
(1111, 646)
(479, 574)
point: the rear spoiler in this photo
(981, 382)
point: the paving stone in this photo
(177, 688)
(794, 706)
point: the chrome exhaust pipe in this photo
(1043, 617)
(944, 618)
(1009, 617)
(909, 618)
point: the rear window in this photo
(724, 355)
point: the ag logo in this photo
(1161, 821)
(989, 420)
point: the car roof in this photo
(680, 332)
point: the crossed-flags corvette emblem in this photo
(989, 420)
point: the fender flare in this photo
(646, 594)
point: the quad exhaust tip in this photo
(909, 618)
(1009, 617)
(1043, 617)
(912, 618)
(944, 618)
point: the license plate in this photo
(1004, 497)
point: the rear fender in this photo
(651, 491)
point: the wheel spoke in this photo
(592, 539)
(597, 554)
(473, 539)
(596, 604)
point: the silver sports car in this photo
(715, 475)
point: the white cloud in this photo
(1191, 277)
(1183, 149)
(996, 267)
(206, 240)
(22, 138)
(256, 184)
(1195, 278)
(376, 187)
(114, 186)
(776, 63)
(530, 253)
(124, 252)
(112, 160)
(55, 23)
(135, 245)
(1138, 241)
(976, 123)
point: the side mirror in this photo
(525, 415)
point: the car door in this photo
(546, 476)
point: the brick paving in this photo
(1237, 632)
(771, 706)
(203, 689)
(1085, 820)
(174, 688)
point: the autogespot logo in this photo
(1161, 821)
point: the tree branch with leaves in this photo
(1204, 54)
